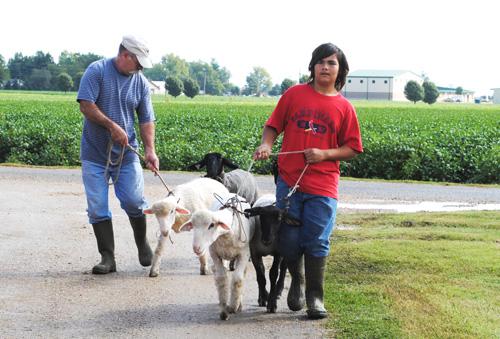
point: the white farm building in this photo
(157, 87)
(496, 95)
(378, 84)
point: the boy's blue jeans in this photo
(129, 190)
(317, 214)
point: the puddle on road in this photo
(423, 206)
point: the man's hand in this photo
(152, 161)
(118, 135)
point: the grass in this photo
(423, 275)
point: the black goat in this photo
(214, 162)
(264, 243)
(237, 181)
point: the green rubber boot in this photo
(295, 299)
(106, 245)
(141, 240)
(315, 272)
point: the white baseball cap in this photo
(139, 49)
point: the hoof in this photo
(153, 274)
(224, 315)
(262, 303)
(232, 309)
(272, 305)
(271, 309)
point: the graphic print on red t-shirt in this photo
(311, 120)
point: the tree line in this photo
(41, 72)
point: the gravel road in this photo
(47, 250)
(46, 253)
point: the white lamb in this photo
(226, 233)
(176, 209)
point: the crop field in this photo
(440, 142)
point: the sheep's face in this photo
(206, 229)
(271, 218)
(165, 211)
(214, 164)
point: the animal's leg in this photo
(281, 279)
(261, 279)
(221, 281)
(273, 276)
(160, 249)
(203, 264)
(235, 304)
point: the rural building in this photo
(157, 87)
(449, 94)
(496, 95)
(379, 84)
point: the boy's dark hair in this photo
(325, 50)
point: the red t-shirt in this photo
(334, 123)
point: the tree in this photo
(40, 79)
(431, 93)
(235, 90)
(75, 64)
(222, 74)
(459, 90)
(76, 80)
(191, 88)
(303, 78)
(286, 84)
(175, 66)
(155, 73)
(275, 91)
(259, 81)
(174, 86)
(413, 91)
(64, 82)
(4, 71)
(210, 77)
(18, 67)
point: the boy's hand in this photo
(262, 152)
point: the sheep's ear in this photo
(181, 210)
(254, 211)
(223, 225)
(148, 211)
(229, 163)
(287, 219)
(186, 227)
(196, 166)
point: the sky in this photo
(453, 42)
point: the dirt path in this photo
(47, 249)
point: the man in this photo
(111, 92)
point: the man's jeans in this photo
(129, 189)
